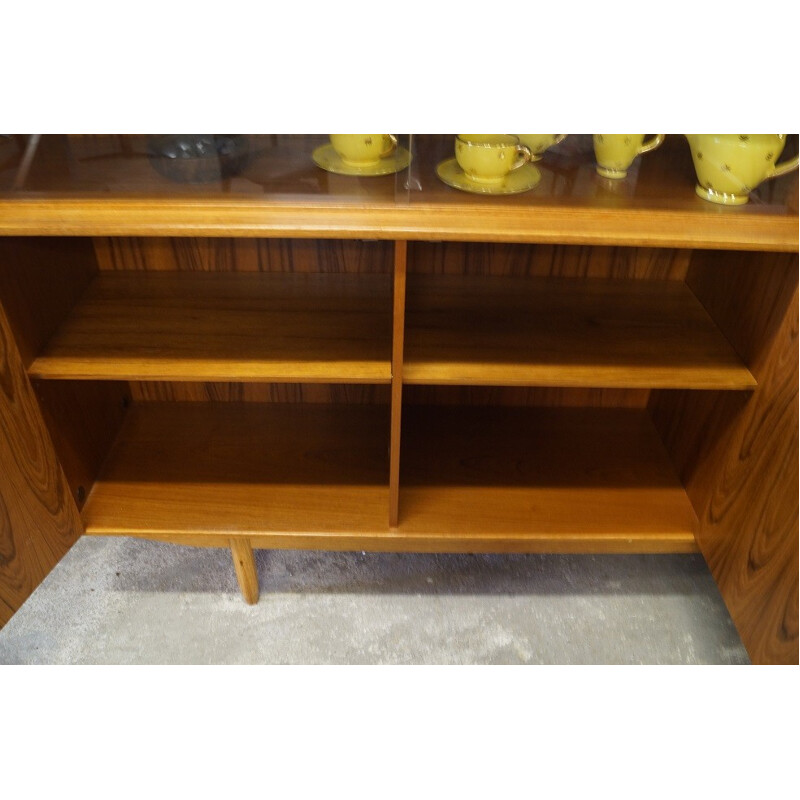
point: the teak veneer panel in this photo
(540, 480)
(738, 455)
(546, 260)
(40, 281)
(39, 521)
(223, 254)
(226, 327)
(189, 392)
(230, 469)
(565, 333)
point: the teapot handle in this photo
(391, 147)
(525, 156)
(651, 144)
(782, 169)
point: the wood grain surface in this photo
(398, 338)
(245, 565)
(579, 224)
(244, 255)
(38, 519)
(546, 260)
(563, 332)
(83, 418)
(473, 480)
(539, 480)
(525, 396)
(40, 282)
(191, 392)
(737, 455)
(243, 469)
(224, 327)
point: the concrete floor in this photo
(126, 601)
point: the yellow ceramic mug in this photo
(363, 149)
(730, 165)
(615, 151)
(537, 143)
(489, 157)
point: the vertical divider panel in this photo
(398, 331)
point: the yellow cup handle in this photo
(525, 156)
(782, 169)
(392, 145)
(652, 144)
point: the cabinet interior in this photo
(532, 397)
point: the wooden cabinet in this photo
(290, 358)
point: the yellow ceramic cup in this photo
(730, 165)
(363, 149)
(615, 151)
(537, 143)
(489, 157)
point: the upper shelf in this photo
(196, 326)
(111, 185)
(548, 332)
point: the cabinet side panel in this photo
(38, 519)
(84, 418)
(40, 281)
(737, 452)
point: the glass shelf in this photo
(119, 184)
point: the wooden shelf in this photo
(540, 479)
(472, 479)
(226, 327)
(563, 332)
(200, 472)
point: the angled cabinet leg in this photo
(245, 565)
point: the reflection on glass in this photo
(189, 158)
(282, 168)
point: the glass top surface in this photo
(307, 169)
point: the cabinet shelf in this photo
(565, 333)
(205, 471)
(226, 327)
(107, 186)
(541, 479)
(473, 479)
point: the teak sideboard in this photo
(285, 357)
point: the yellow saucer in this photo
(520, 180)
(327, 158)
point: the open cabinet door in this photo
(738, 455)
(749, 526)
(39, 520)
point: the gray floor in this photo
(126, 601)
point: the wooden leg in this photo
(245, 565)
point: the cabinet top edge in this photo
(564, 224)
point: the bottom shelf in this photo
(542, 480)
(316, 476)
(201, 472)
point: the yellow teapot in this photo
(730, 165)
